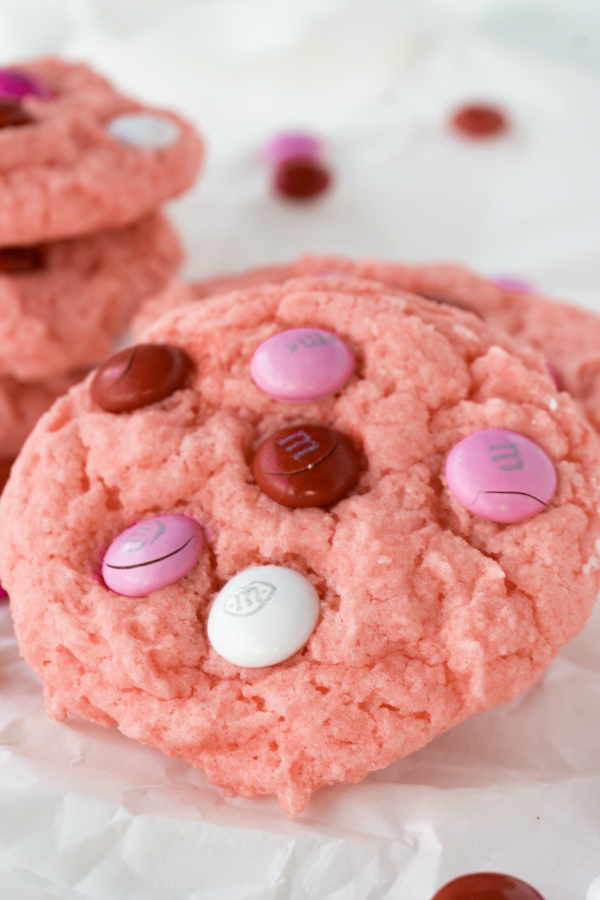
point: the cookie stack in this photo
(82, 243)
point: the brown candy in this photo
(5, 467)
(13, 114)
(487, 886)
(301, 179)
(140, 375)
(306, 465)
(19, 260)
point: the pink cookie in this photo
(66, 307)
(568, 337)
(22, 404)
(427, 612)
(89, 159)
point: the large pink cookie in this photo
(67, 312)
(67, 174)
(428, 614)
(568, 337)
(22, 404)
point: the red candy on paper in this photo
(487, 886)
(478, 120)
(301, 179)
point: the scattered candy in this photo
(518, 285)
(145, 130)
(263, 616)
(306, 465)
(500, 475)
(152, 555)
(299, 172)
(140, 375)
(15, 84)
(478, 120)
(13, 115)
(18, 260)
(293, 145)
(487, 886)
(301, 179)
(302, 364)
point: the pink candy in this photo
(500, 475)
(152, 555)
(293, 145)
(3, 593)
(15, 84)
(510, 283)
(302, 364)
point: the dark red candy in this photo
(140, 375)
(13, 114)
(478, 120)
(306, 465)
(487, 886)
(301, 179)
(18, 260)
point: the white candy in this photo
(593, 892)
(144, 130)
(263, 616)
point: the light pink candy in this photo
(302, 364)
(292, 145)
(152, 555)
(510, 283)
(14, 85)
(500, 475)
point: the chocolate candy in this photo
(140, 375)
(152, 555)
(301, 179)
(5, 467)
(479, 120)
(145, 130)
(302, 364)
(487, 886)
(306, 465)
(500, 475)
(19, 260)
(13, 115)
(263, 616)
(15, 84)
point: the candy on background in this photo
(487, 886)
(478, 121)
(144, 130)
(533, 763)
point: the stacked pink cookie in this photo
(82, 240)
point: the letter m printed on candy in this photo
(300, 439)
(511, 452)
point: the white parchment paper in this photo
(87, 813)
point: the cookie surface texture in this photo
(67, 312)
(67, 174)
(568, 337)
(428, 614)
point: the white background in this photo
(86, 813)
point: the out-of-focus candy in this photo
(147, 131)
(13, 114)
(19, 260)
(479, 120)
(299, 172)
(15, 84)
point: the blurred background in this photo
(377, 81)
